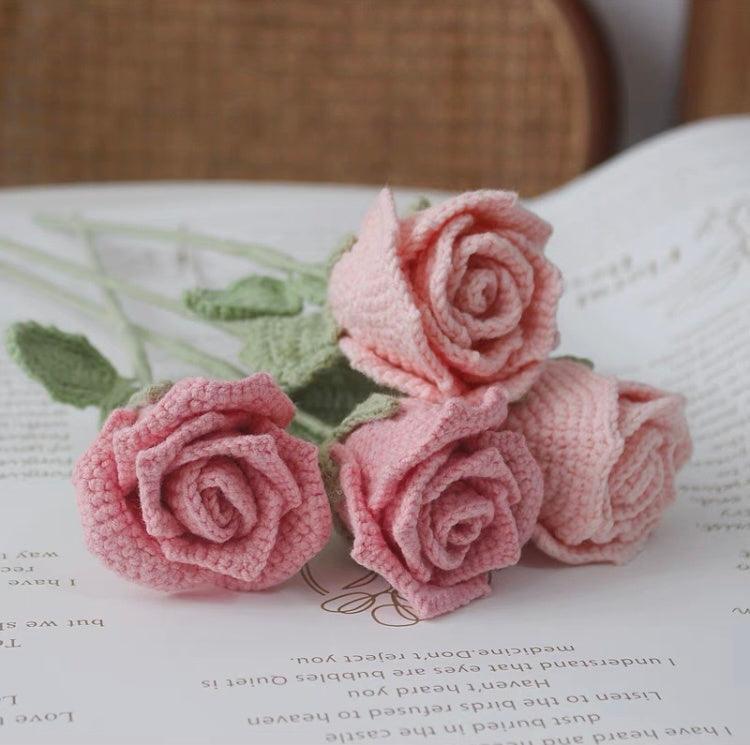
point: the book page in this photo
(656, 252)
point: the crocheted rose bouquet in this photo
(405, 388)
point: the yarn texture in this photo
(204, 487)
(249, 297)
(69, 367)
(417, 356)
(294, 350)
(609, 451)
(436, 496)
(450, 298)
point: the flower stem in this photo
(176, 347)
(132, 339)
(192, 355)
(257, 252)
(111, 283)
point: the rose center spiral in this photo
(218, 507)
(477, 293)
(464, 532)
(460, 515)
(212, 498)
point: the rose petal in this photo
(256, 454)
(224, 477)
(489, 207)
(430, 479)
(275, 492)
(508, 348)
(372, 551)
(203, 496)
(392, 376)
(113, 531)
(478, 293)
(449, 527)
(373, 267)
(154, 463)
(430, 429)
(525, 491)
(303, 531)
(516, 492)
(497, 547)
(431, 278)
(400, 517)
(444, 276)
(188, 399)
(587, 552)
(460, 514)
(452, 333)
(569, 420)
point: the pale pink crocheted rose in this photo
(609, 450)
(454, 297)
(204, 487)
(437, 496)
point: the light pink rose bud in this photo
(609, 450)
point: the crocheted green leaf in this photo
(580, 360)
(149, 394)
(312, 289)
(122, 391)
(334, 392)
(298, 429)
(67, 365)
(249, 297)
(293, 350)
(377, 406)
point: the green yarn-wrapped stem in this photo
(256, 252)
(176, 347)
(132, 339)
(314, 425)
(72, 269)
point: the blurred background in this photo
(451, 94)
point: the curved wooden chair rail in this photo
(716, 74)
(448, 94)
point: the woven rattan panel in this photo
(443, 93)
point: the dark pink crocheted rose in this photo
(437, 496)
(204, 487)
(609, 450)
(454, 297)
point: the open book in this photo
(655, 247)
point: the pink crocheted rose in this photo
(437, 496)
(204, 487)
(454, 297)
(609, 451)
